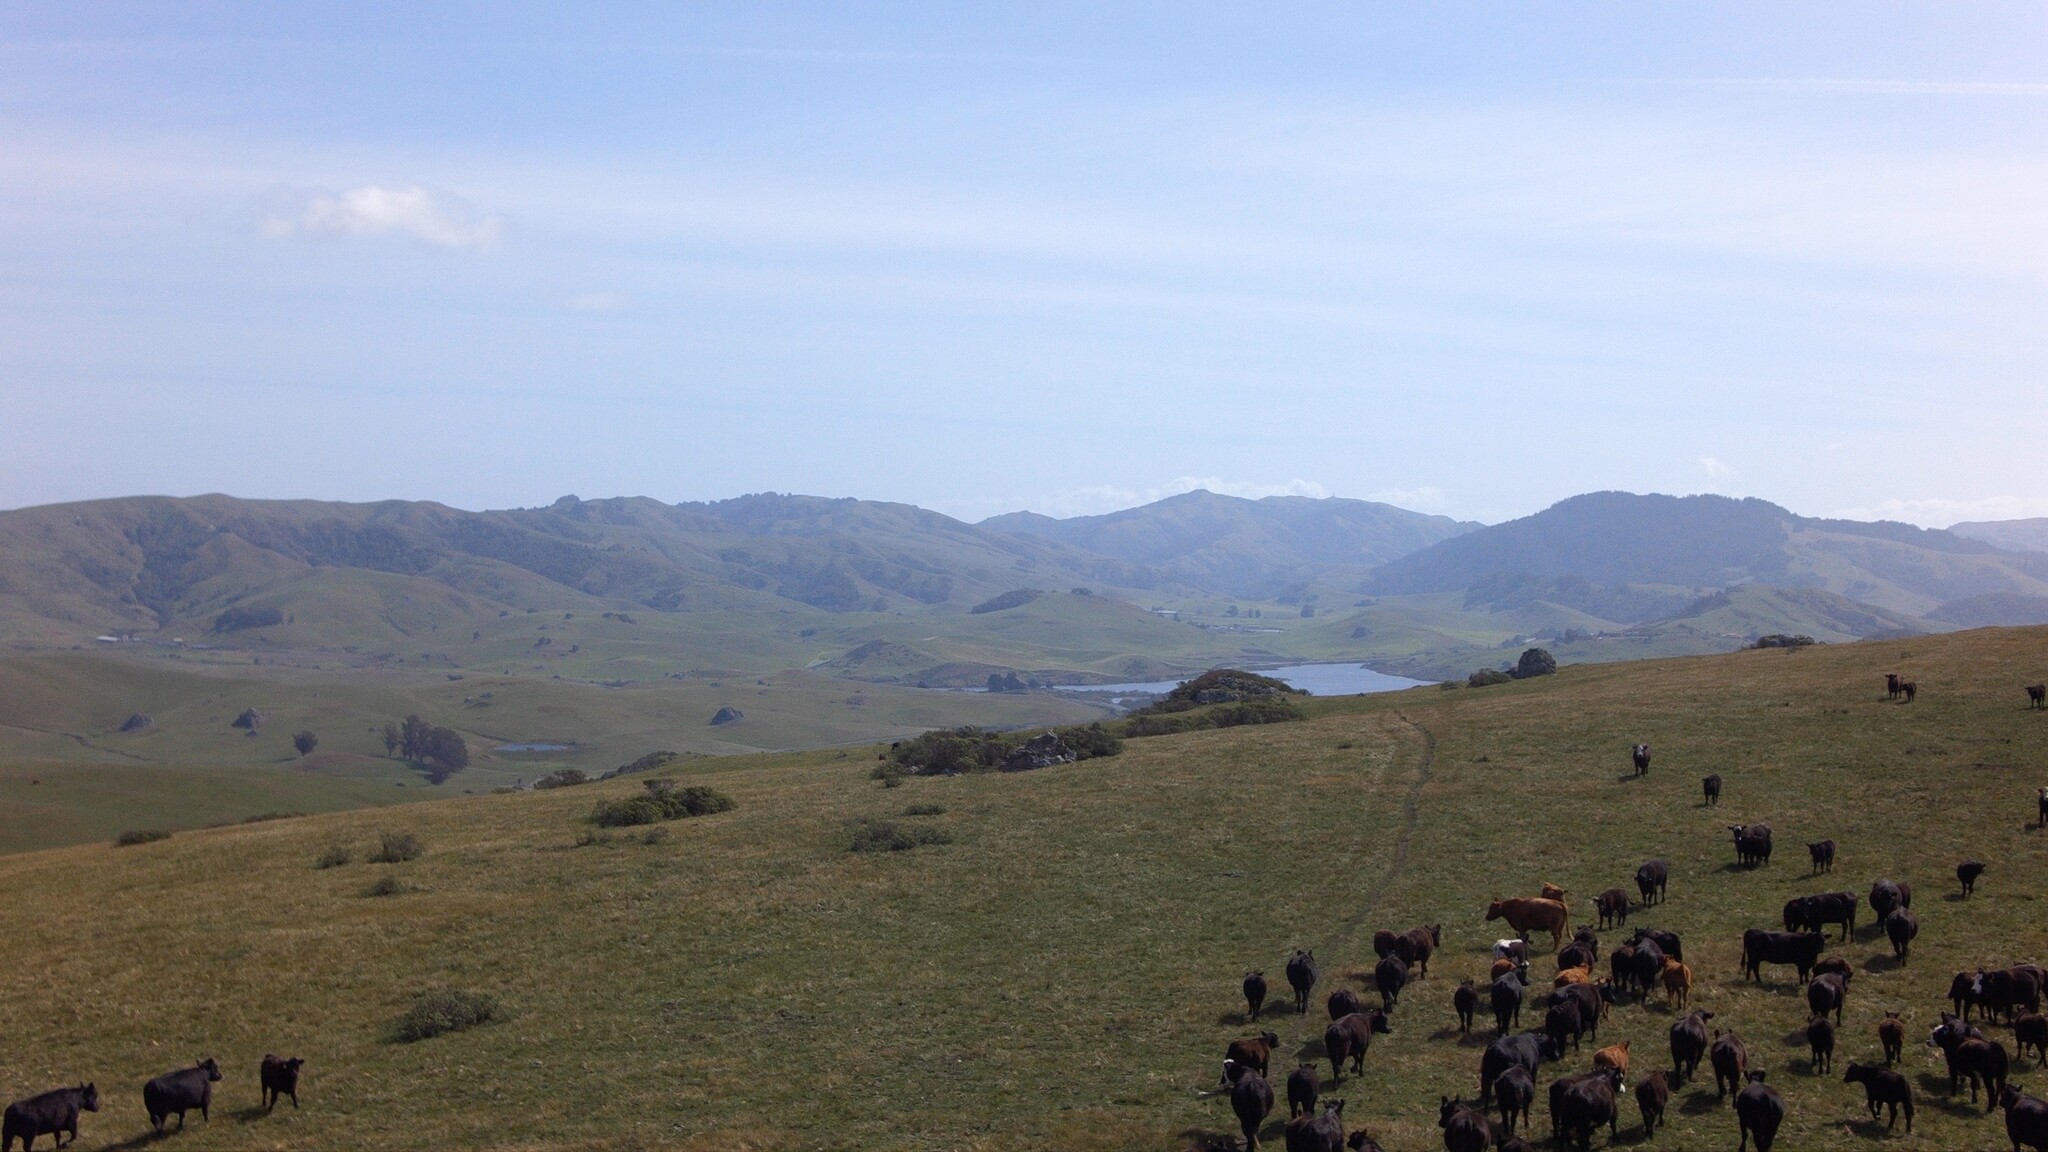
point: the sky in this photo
(1468, 259)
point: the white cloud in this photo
(373, 210)
(1714, 468)
(1940, 513)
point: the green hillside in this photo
(1064, 972)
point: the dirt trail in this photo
(1411, 814)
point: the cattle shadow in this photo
(1311, 1050)
(1879, 962)
(1870, 932)
(1955, 898)
(1207, 1140)
(1699, 1102)
(1934, 1094)
(1795, 1038)
(250, 1114)
(1871, 1129)
(1466, 1039)
(141, 1139)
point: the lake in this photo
(1315, 679)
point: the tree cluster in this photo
(442, 749)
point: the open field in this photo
(1064, 973)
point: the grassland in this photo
(1064, 973)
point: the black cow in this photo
(1891, 1034)
(1982, 1061)
(1561, 1022)
(2026, 1119)
(1962, 994)
(1799, 949)
(1347, 1039)
(2030, 1030)
(2037, 695)
(1891, 685)
(1301, 976)
(1909, 689)
(1820, 1042)
(1322, 1133)
(1689, 1043)
(1576, 954)
(1390, 976)
(1967, 872)
(1416, 945)
(1507, 1001)
(1730, 1058)
(2007, 990)
(1816, 912)
(1514, 1091)
(1465, 1128)
(1827, 994)
(1621, 967)
(1255, 993)
(1752, 843)
(1759, 1110)
(1668, 941)
(54, 1112)
(1653, 1095)
(2041, 808)
(1343, 1002)
(1711, 786)
(1886, 895)
(1592, 1001)
(1823, 853)
(1303, 1086)
(180, 1091)
(1882, 1088)
(1641, 755)
(1652, 877)
(1252, 1099)
(280, 1078)
(1612, 906)
(1586, 1104)
(1900, 927)
(1520, 1050)
(1466, 1001)
(1648, 962)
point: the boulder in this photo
(1535, 662)
(727, 715)
(1042, 751)
(250, 719)
(140, 722)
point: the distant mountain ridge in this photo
(2028, 535)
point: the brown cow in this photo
(1578, 975)
(1891, 1032)
(1612, 906)
(1253, 1053)
(1677, 982)
(1614, 1056)
(1526, 915)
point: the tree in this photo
(412, 738)
(391, 739)
(305, 742)
(446, 751)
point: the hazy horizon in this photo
(1067, 260)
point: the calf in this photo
(1653, 1094)
(1641, 755)
(1799, 949)
(1301, 976)
(1390, 976)
(179, 1091)
(1752, 843)
(1590, 999)
(1465, 1128)
(1466, 1001)
(54, 1112)
(1820, 1042)
(1514, 1092)
(1891, 1033)
(1900, 927)
(1759, 1110)
(1967, 872)
(1730, 1059)
(1909, 689)
(1891, 685)
(1347, 1039)
(1835, 965)
(1711, 786)
(1511, 949)
(1323, 1133)
(1882, 1088)
(2026, 1119)
(1253, 1053)
(2037, 695)
(1252, 1099)
(1614, 1056)
(2041, 808)
(1507, 1001)
(1612, 906)
(1561, 1022)
(1362, 1141)
(1621, 967)
(1383, 942)
(280, 1078)
(1303, 1086)
(1574, 955)
(1649, 963)
(2030, 1030)
(1255, 993)
(1689, 1043)
(1652, 877)
(1677, 983)
(1343, 1002)
(1827, 994)
(1823, 853)
(1549, 891)
(1503, 966)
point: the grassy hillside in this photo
(1064, 972)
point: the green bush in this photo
(867, 835)
(1265, 710)
(262, 817)
(396, 848)
(950, 751)
(1781, 640)
(1089, 741)
(924, 810)
(562, 778)
(140, 836)
(1487, 676)
(437, 1013)
(335, 857)
(385, 886)
(626, 813)
(1221, 686)
(664, 801)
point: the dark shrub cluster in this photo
(868, 835)
(1015, 598)
(396, 848)
(1221, 686)
(663, 801)
(385, 886)
(436, 1013)
(1264, 710)
(305, 742)
(336, 856)
(562, 778)
(647, 763)
(136, 836)
(1487, 676)
(949, 751)
(236, 619)
(924, 810)
(265, 817)
(1781, 640)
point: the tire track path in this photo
(1411, 815)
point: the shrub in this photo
(264, 817)
(593, 839)
(397, 847)
(1781, 640)
(949, 751)
(647, 763)
(140, 836)
(336, 856)
(385, 886)
(1088, 741)
(924, 810)
(1220, 686)
(1487, 676)
(626, 813)
(664, 801)
(654, 836)
(436, 1013)
(562, 778)
(305, 742)
(866, 835)
(1535, 662)
(237, 619)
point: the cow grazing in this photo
(280, 1078)
(1514, 1093)
(1651, 879)
(1752, 843)
(2041, 808)
(1900, 927)
(1348, 1039)
(1507, 1001)
(1820, 1042)
(1891, 1033)
(2037, 695)
(1799, 949)
(1886, 895)
(1669, 942)
(1525, 1050)
(1301, 976)
(180, 1091)
(1390, 976)
(1526, 914)
(1320, 1133)
(2026, 1119)
(1817, 912)
(1416, 945)
(1255, 993)
(1251, 1098)
(1343, 1002)
(1465, 1127)
(1614, 1056)
(1882, 1088)
(1466, 1001)
(1710, 786)
(1591, 1000)
(1823, 853)
(1980, 1061)
(1908, 689)
(2030, 1030)
(1827, 994)
(1653, 1095)
(54, 1113)
(1511, 949)
(1303, 1086)
(1612, 906)
(1561, 1022)
(1641, 755)
(1967, 873)
(1677, 979)
(1834, 964)
(1383, 941)
(1575, 955)
(1758, 1111)
(1891, 685)
(1730, 1058)
(1586, 1104)
(1255, 1053)
(1689, 1043)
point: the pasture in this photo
(1064, 973)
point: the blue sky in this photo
(1469, 259)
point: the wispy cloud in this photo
(430, 217)
(1714, 468)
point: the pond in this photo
(1315, 679)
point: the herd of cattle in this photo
(1646, 962)
(55, 1113)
